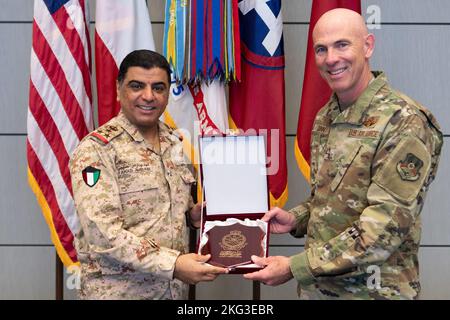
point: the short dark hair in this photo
(146, 59)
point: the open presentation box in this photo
(234, 182)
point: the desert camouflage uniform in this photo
(133, 224)
(371, 166)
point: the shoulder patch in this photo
(409, 168)
(405, 170)
(99, 137)
(106, 133)
(91, 176)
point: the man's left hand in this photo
(276, 271)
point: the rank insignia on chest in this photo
(329, 154)
(408, 168)
(91, 176)
(370, 122)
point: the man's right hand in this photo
(191, 268)
(280, 221)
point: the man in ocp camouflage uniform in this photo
(374, 153)
(131, 186)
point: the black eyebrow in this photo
(159, 83)
(135, 81)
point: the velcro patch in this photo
(355, 133)
(405, 169)
(91, 176)
(409, 168)
(370, 122)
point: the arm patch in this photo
(406, 169)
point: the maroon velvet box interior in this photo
(223, 217)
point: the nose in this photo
(147, 93)
(331, 57)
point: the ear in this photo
(117, 90)
(369, 45)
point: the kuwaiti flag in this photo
(316, 91)
(257, 102)
(121, 26)
(91, 176)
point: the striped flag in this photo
(59, 112)
(121, 26)
(257, 102)
(197, 107)
(316, 91)
(201, 40)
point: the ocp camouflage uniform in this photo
(371, 166)
(131, 204)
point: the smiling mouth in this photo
(146, 108)
(337, 72)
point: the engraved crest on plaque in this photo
(232, 244)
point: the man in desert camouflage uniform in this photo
(374, 153)
(131, 187)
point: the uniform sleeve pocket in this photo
(343, 167)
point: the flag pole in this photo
(193, 240)
(59, 287)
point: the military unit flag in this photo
(257, 102)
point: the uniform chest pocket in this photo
(137, 185)
(139, 193)
(343, 166)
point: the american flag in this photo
(59, 113)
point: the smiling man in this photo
(374, 154)
(131, 186)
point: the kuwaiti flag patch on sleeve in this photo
(91, 176)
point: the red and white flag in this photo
(316, 91)
(196, 109)
(59, 112)
(121, 26)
